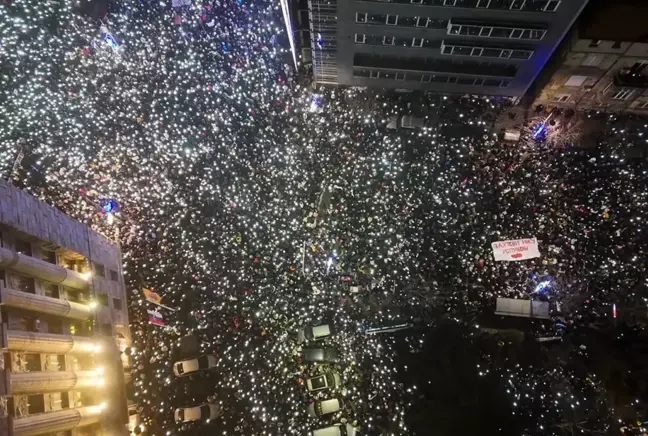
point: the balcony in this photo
(43, 304)
(18, 340)
(473, 68)
(41, 269)
(41, 382)
(629, 78)
(60, 421)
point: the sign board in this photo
(512, 135)
(522, 308)
(516, 249)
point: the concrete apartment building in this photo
(490, 47)
(64, 331)
(604, 62)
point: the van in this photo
(323, 407)
(335, 430)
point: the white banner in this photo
(516, 249)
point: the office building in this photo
(603, 64)
(491, 47)
(65, 362)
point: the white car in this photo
(323, 407)
(186, 367)
(336, 430)
(313, 333)
(330, 380)
(204, 412)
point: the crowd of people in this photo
(256, 206)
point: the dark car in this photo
(320, 354)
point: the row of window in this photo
(361, 38)
(431, 78)
(488, 52)
(623, 94)
(514, 5)
(496, 32)
(400, 20)
(459, 50)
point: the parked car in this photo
(325, 381)
(204, 412)
(336, 430)
(323, 407)
(320, 354)
(313, 333)
(186, 367)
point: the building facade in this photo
(64, 330)
(491, 47)
(604, 62)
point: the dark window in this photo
(463, 51)
(113, 275)
(492, 82)
(74, 295)
(617, 44)
(23, 247)
(452, 80)
(106, 329)
(491, 52)
(65, 404)
(33, 362)
(55, 326)
(26, 284)
(36, 403)
(3, 278)
(103, 299)
(595, 43)
(49, 256)
(117, 304)
(51, 290)
(465, 81)
(520, 54)
(100, 270)
(499, 32)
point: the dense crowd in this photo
(256, 206)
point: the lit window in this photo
(392, 20)
(360, 38)
(622, 94)
(361, 17)
(483, 3)
(417, 42)
(517, 5)
(552, 6)
(388, 40)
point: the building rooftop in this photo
(618, 20)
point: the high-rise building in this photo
(64, 331)
(491, 47)
(603, 64)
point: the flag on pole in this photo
(155, 318)
(151, 296)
